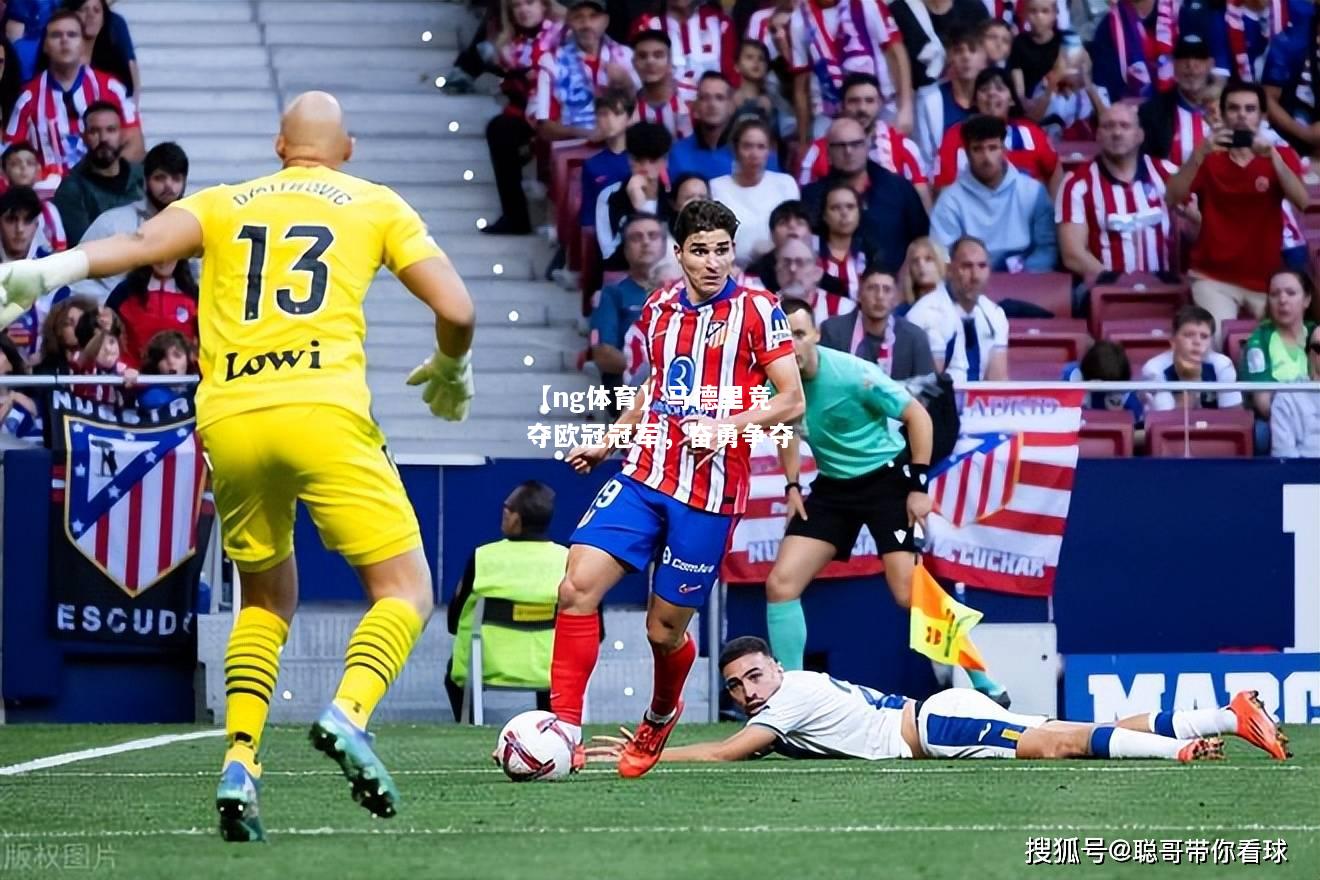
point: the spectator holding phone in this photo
(1241, 181)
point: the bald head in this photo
(847, 144)
(312, 132)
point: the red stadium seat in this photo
(560, 153)
(1047, 345)
(1236, 334)
(1075, 153)
(568, 230)
(1135, 296)
(1106, 433)
(1047, 325)
(1051, 291)
(1210, 433)
(1022, 368)
(589, 279)
(1142, 339)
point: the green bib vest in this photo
(520, 582)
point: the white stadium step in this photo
(224, 57)
(358, 60)
(382, 172)
(174, 11)
(352, 13)
(251, 122)
(365, 37)
(217, 79)
(533, 340)
(158, 100)
(339, 79)
(202, 36)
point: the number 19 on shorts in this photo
(604, 498)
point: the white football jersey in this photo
(821, 716)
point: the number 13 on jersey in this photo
(310, 262)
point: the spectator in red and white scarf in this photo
(890, 148)
(52, 107)
(843, 251)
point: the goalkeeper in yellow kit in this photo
(284, 413)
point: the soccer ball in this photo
(534, 746)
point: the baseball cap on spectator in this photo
(1191, 46)
(599, 5)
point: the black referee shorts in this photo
(837, 510)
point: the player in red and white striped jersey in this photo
(890, 148)
(49, 111)
(664, 98)
(701, 36)
(1111, 212)
(712, 344)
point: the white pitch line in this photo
(855, 768)
(135, 745)
(452, 830)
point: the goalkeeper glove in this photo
(22, 282)
(449, 385)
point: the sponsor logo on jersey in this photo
(289, 359)
(779, 332)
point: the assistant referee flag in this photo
(941, 626)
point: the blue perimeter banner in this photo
(1106, 687)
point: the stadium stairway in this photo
(215, 76)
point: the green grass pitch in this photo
(149, 814)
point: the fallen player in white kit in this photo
(811, 715)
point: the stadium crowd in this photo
(74, 168)
(1129, 205)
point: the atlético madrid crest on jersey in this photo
(132, 497)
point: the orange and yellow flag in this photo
(940, 625)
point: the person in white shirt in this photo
(968, 332)
(811, 715)
(1190, 359)
(751, 191)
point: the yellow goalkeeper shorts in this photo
(333, 460)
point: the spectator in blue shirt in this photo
(614, 107)
(25, 27)
(1106, 362)
(892, 213)
(107, 42)
(705, 152)
(1291, 77)
(644, 240)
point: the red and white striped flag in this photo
(1001, 499)
(756, 537)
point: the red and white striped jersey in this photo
(1026, 147)
(705, 40)
(1189, 129)
(836, 41)
(50, 119)
(674, 114)
(890, 149)
(706, 360)
(50, 229)
(1127, 224)
(848, 270)
(524, 52)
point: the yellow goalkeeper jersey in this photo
(287, 260)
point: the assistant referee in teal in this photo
(865, 475)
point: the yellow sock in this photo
(252, 663)
(377, 651)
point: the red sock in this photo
(671, 671)
(577, 644)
